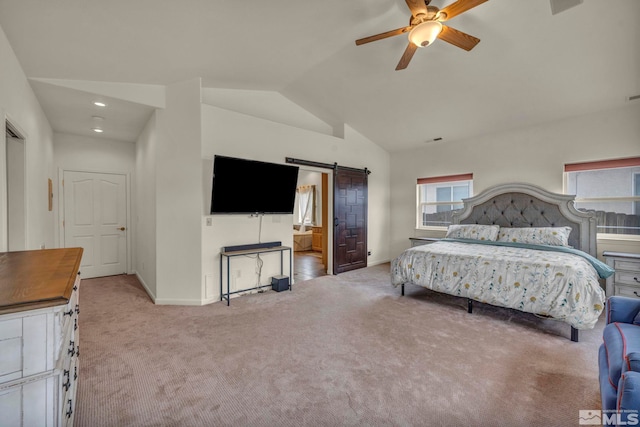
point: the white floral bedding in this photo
(561, 285)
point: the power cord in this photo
(259, 264)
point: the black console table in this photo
(244, 250)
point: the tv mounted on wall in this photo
(252, 187)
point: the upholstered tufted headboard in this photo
(526, 205)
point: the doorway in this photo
(16, 209)
(310, 234)
(95, 218)
(347, 233)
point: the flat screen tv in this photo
(252, 187)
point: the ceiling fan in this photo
(426, 25)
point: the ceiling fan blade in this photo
(406, 56)
(417, 6)
(455, 9)
(458, 38)
(382, 35)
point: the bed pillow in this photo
(554, 236)
(473, 231)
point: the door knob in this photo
(122, 228)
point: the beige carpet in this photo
(343, 350)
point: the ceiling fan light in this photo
(424, 34)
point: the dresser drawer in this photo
(10, 350)
(629, 265)
(628, 291)
(10, 359)
(627, 277)
(29, 403)
(72, 309)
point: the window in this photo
(306, 195)
(609, 188)
(439, 196)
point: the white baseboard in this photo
(371, 264)
(170, 301)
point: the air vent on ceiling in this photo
(558, 6)
(433, 140)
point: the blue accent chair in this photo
(619, 357)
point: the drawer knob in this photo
(68, 313)
(77, 309)
(636, 279)
(72, 348)
(70, 411)
(67, 383)
(636, 293)
(75, 373)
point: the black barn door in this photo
(349, 219)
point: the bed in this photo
(516, 246)
(302, 240)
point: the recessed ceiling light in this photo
(98, 130)
(99, 104)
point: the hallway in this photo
(308, 265)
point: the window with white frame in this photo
(611, 189)
(439, 196)
(306, 195)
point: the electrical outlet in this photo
(369, 253)
(209, 222)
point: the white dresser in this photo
(626, 280)
(39, 346)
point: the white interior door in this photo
(95, 218)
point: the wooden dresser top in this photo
(37, 279)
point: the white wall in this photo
(239, 135)
(19, 104)
(178, 192)
(83, 153)
(145, 207)
(533, 155)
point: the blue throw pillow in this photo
(632, 362)
(636, 320)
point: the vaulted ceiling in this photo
(530, 67)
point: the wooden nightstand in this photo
(626, 280)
